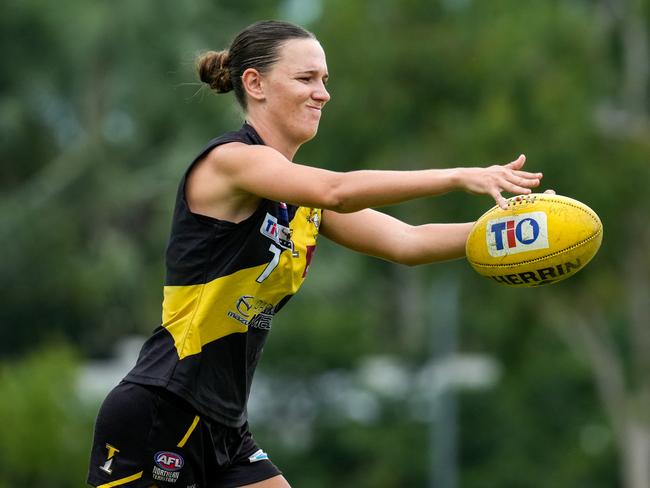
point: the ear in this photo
(253, 84)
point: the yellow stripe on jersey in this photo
(122, 481)
(196, 315)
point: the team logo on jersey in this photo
(112, 451)
(314, 218)
(278, 233)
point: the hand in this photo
(495, 179)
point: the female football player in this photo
(244, 230)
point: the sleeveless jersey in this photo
(224, 283)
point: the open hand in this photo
(499, 178)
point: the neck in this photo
(273, 138)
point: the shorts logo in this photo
(168, 461)
(519, 233)
(258, 455)
(112, 451)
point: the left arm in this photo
(380, 235)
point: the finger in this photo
(516, 189)
(500, 200)
(523, 182)
(526, 174)
(517, 163)
(549, 192)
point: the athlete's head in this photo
(257, 47)
(277, 71)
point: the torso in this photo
(225, 281)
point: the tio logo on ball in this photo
(517, 233)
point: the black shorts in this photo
(147, 436)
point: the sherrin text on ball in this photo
(539, 239)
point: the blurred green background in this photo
(375, 376)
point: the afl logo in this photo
(169, 461)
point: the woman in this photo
(243, 234)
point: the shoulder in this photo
(238, 156)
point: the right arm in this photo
(262, 171)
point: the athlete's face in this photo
(295, 92)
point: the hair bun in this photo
(213, 68)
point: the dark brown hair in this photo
(257, 46)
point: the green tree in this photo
(47, 427)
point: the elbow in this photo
(413, 261)
(403, 260)
(410, 261)
(336, 199)
(403, 249)
(334, 202)
(343, 206)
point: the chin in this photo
(312, 134)
(307, 133)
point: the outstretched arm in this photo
(262, 171)
(377, 234)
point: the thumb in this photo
(517, 163)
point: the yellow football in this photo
(539, 239)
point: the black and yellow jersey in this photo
(224, 283)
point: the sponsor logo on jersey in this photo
(253, 312)
(244, 305)
(258, 455)
(277, 232)
(261, 321)
(515, 234)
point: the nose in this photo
(321, 95)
